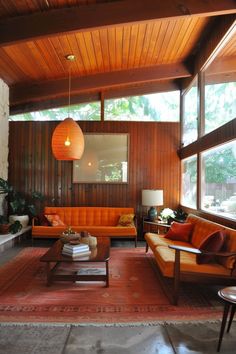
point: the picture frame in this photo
(105, 159)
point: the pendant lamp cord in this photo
(69, 91)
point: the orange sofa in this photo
(177, 259)
(98, 221)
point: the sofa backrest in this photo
(203, 227)
(89, 216)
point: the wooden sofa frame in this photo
(179, 275)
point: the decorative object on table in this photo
(70, 236)
(76, 250)
(67, 138)
(180, 215)
(152, 198)
(166, 214)
(84, 234)
(89, 240)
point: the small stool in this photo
(229, 297)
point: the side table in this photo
(154, 226)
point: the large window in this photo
(219, 180)
(220, 104)
(85, 111)
(189, 182)
(190, 115)
(157, 107)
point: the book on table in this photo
(75, 248)
(77, 254)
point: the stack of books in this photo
(80, 250)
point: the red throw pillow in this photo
(212, 243)
(180, 231)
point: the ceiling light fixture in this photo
(68, 138)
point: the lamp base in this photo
(152, 214)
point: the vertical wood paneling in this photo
(153, 163)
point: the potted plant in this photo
(6, 227)
(20, 208)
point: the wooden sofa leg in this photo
(176, 277)
(135, 241)
(147, 247)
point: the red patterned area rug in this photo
(134, 294)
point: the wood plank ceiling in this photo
(121, 46)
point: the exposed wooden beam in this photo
(222, 65)
(99, 82)
(67, 20)
(223, 134)
(224, 29)
(134, 90)
(208, 52)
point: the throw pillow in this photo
(212, 243)
(126, 220)
(180, 231)
(54, 220)
(42, 220)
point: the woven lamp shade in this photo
(68, 131)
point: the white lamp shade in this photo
(152, 197)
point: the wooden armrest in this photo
(185, 249)
(198, 251)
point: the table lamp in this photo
(152, 198)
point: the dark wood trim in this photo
(102, 106)
(201, 104)
(223, 134)
(212, 217)
(92, 16)
(99, 82)
(140, 89)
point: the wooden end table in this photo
(54, 257)
(154, 226)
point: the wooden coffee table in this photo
(54, 258)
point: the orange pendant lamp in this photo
(68, 138)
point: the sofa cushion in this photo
(54, 220)
(165, 258)
(126, 220)
(157, 240)
(212, 243)
(100, 231)
(179, 231)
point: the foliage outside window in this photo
(85, 111)
(190, 115)
(219, 180)
(189, 182)
(220, 104)
(157, 107)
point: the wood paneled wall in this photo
(153, 164)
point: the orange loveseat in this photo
(177, 259)
(98, 221)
